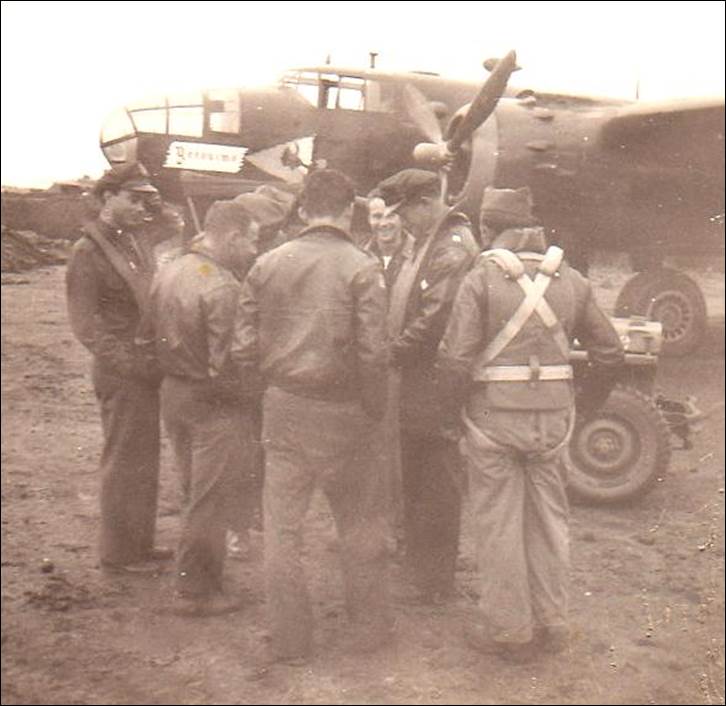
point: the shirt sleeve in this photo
(244, 348)
(220, 310)
(464, 336)
(605, 352)
(596, 333)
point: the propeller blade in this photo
(485, 102)
(421, 113)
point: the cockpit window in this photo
(224, 113)
(186, 121)
(344, 93)
(117, 126)
(339, 92)
(150, 120)
(306, 83)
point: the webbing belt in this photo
(523, 373)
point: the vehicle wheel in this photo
(672, 298)
(618, 453)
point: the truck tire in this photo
(672, 298)
(618, 453)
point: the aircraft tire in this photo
(672, 298)
(616, 455)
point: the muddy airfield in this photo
(647, 599)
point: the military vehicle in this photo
(617, 454)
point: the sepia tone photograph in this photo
(362, 353)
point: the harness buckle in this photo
(535, 370)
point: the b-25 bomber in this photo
(643, 178)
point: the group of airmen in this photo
(395, 371)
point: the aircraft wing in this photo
(672, 134)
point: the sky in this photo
(67, 65)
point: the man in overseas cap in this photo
(107, 280)
(441, 252)
(128, 177)
(506, 350)
(312, 321)
(205, 405)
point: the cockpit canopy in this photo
(335, 90)
(249, 118)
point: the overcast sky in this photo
(67, 65)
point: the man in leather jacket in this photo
(312, 321)
(107, 284)
(206, 408)
(435, 259)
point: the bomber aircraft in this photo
(643, 178)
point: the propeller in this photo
(437, 152)
(421, 113)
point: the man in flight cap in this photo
(107, 280)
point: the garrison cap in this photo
(268, 205)
(130, 177)
(406, 186)
(507, 208)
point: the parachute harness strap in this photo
(533, 302)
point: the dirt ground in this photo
(647, 600)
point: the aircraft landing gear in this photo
(672, 298)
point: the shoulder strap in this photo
(506, 260)
(552, 261)
(119, 263)
(534, 300)
(403, 286)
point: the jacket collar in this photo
(199, 248)
(331, 230)
(449, 216)
(529, 238)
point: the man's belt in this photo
(523, 373)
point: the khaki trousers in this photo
(310, 442)
(129, 466)
(520, 514)
(214, 452)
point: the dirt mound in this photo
(24, 250)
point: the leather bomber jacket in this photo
(312, 320)
(103, 313)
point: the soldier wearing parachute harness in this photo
(507, 345)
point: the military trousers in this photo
(129, 466)
(431, 468)
(214, 450)
(313, 443)
(520, 516)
